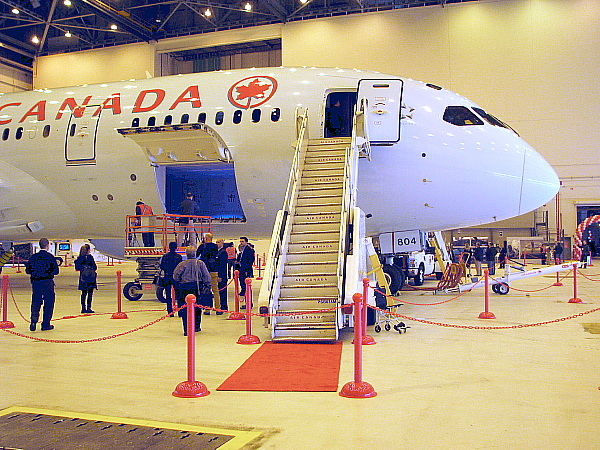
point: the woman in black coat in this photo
(86, 266)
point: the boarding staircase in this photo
(306, 268)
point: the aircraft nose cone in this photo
(540, 182)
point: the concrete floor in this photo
(438, 387)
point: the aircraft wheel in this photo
(387, 327)
(129, 291)
(420, 276)
(394, 277)
(503, 289)
(160, 294)
(495, 288)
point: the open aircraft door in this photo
(384, 99)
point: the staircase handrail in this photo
(281, 230)
(359, 144)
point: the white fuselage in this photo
(437, 176)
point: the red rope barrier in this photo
(248, 338)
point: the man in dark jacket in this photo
(168, 262)
(222, 272)
(42, 267)
(245, 260)
(207, 252)
(490, 256)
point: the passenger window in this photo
(185, 118)
(5, 134)
(72, 130)
(19, 133)
(135, 122)
(493, 120)
(219, 118)
(237, 116)
(168, 120)
(202, 118)
(461, 116)
(151, 121)
(46, 131)
(256, 115)
(275, 114)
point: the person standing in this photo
(188, 207)
(141, 210)
(585, 251)
(245, 260)
(192, 277)
(207, 252)
(490, 257)
(168, 263)
(223, 271)
(41, 268)
(86, 266)
(231, 255)
(478, 254)
(467, 253)
(502, 257)
(558, 253)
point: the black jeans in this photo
(42, 293)
(222, 295)
(182, 292)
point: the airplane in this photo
(74, 161)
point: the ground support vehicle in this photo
(166, 228)
(501, 285)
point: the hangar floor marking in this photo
(22, 427)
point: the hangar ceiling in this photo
(30, 28)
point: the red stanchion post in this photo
(5, 322)
(357, 388)
(119, 314)
(248, 338)
(18, 265)
(191, 388)
(557, 282)
(487, 314)
(524, 258)
(366, 339)
(236, 315)
(575, 299)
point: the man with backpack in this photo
(207, 252)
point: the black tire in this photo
(387, 327)
(160, 294)
(394, 276)
(377, 329)
(495, 288)
(419, 278)
(129, 291)
(503, 289)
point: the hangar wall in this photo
(123, 62)
(532, 63)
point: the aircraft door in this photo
(80, 141)
(384, 109)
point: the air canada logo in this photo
(252, 91)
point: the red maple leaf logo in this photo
(254, 89)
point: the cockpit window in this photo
(493, 120)
(461, 116)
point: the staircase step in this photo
(317, 171)
(309, 291)
(338, 141)
(317, 191)
(307, 318)
(306, 257)
(309, 279)
(307, 334)
(319, 199)
(315, 246)
(331, 208)
(310, 267)
(327, 158)
(316, 235)
(333, 181)
(306, 303)
(320, 226)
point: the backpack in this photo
(88, 274)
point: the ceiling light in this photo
(248, 7)
(68, 34)
(35, 40)
(113, 27)
(15, 11)
(67, 3)
(208, 12)
(303, 1)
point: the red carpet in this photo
(288, 367)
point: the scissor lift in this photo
(183, 229)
